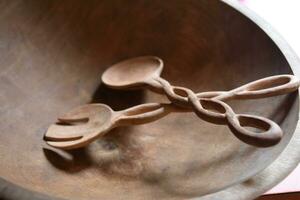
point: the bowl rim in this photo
(289, 159)
(261, 182)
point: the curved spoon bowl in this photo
(138, 71)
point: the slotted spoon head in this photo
(79, 126)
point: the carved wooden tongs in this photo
(145, 72)
(98, 119)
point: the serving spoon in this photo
(145, 71)
(87, 123)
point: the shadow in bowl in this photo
(117, 99)
(69, 161)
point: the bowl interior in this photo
(52, 55)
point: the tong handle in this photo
(262, 88)
(142, 114)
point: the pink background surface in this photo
(284, 16)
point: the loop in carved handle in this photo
(270, 134)
(262, 88)
(218, 112)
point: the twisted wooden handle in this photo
(206, 104)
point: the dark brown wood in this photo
(292, 196)
(52, 55)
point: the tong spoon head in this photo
(133, 72)
(77, 127)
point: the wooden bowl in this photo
(52, 56)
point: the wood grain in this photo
(52, 55)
